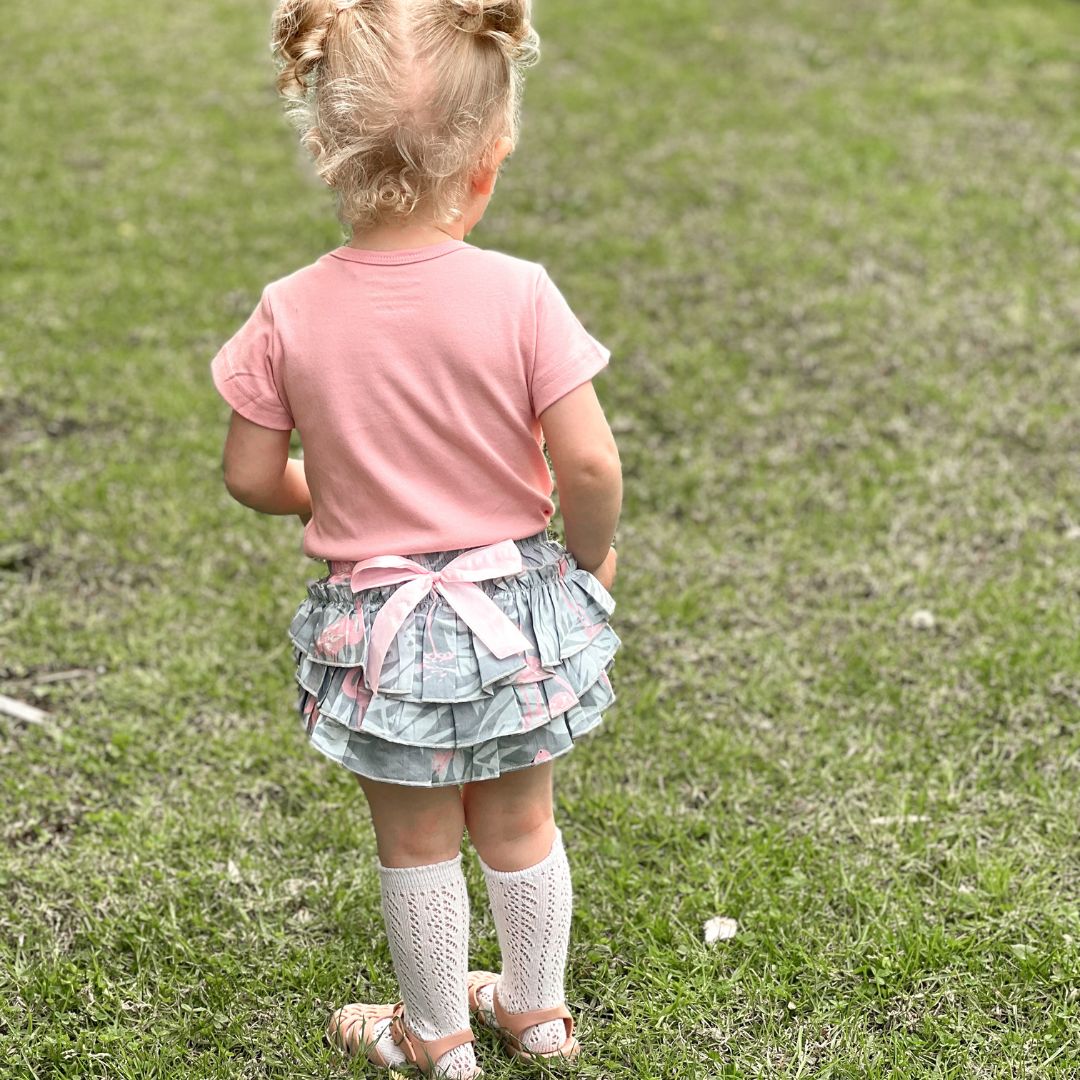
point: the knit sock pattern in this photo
(531, 909)
(426, 910)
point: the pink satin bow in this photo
(455, 581)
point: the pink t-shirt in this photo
(415, 380)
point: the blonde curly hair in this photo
(400, 101)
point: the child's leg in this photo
(426, 909)
(510, 819)
(414, 826)
(512, 827)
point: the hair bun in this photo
(298, 41)
(506, 22)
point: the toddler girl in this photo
(454, 648)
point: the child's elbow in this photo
(602, 463)
(237, 490)
(241, 485)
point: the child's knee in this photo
(519, 832)
(420, 841)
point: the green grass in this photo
(833, 248)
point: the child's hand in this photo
(605, 572)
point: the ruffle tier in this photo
(447, 710)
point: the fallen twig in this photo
(64, 676)
(19, 710)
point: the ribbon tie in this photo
(456, 582)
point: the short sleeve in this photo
(566, 354)
(247, 371)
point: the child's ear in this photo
(483, 182)
(501, 151)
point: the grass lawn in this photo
(834, 247)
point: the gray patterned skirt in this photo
(447, 710)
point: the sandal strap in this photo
(516, 1023)
(476, 981)
(425, 1052)
(352, 1026)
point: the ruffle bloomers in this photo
(447, 710)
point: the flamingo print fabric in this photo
(447, 710)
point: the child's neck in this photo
(390, 237)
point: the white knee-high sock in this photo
(532, 909)
(426, 910)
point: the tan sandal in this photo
(511, 1026)
(352, 1029)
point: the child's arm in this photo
(588, 473)
(259, 472)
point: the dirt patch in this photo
(20, 558)
(24, 422)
